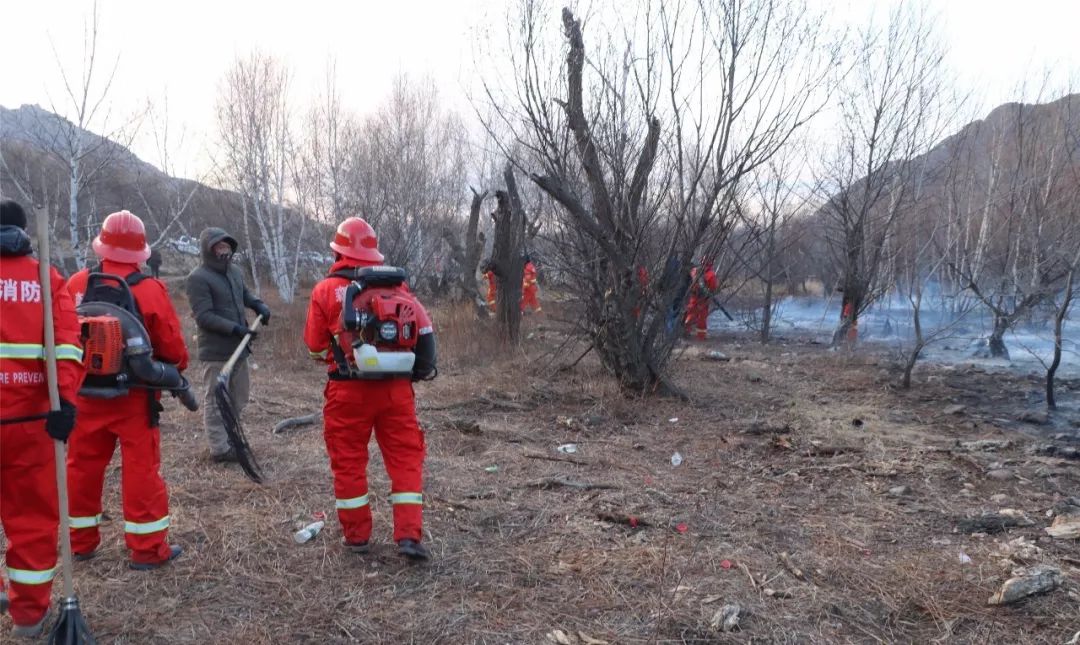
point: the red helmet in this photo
(122, 239)
(356, 239)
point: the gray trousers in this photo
(239, 387)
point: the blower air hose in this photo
(139, 356)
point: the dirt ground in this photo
(826, 503)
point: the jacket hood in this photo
(14, 241)
(207, 239)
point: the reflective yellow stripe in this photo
(69, 353)
(31, 351)
(355, 502)
(85, 522)
(22, 350)
(319, 355)
(143, 528)
(406, 498)
(30, 577)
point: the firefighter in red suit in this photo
(28, 502)
(131, 420)
(355, 407)
(701, 291)
(529, 290)
(492, 289)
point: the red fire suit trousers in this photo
(29, 511)
(100, 424)
(697, 317)
(352, 410)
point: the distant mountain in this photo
(34, 170)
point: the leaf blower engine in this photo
(379, 325)
(117, 352)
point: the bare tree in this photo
(892, 109)
(657, 126)
(253, 114)
(65, 133)
(779, 198)
(165, 197)
(406, 174)
(1014, 264)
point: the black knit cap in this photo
(12, 214)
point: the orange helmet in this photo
(122, 239)
(356, 239)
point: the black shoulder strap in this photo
(135, 278)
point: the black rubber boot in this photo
(413, 550)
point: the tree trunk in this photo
(473, 249)
(506, 256)
(1059, 324)
(920, 343)
(766, 313)
(996, 342)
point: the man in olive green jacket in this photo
(218, 297)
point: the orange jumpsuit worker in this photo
(354, 407)
(130, 420)
(492, 289)
(28, 503)
(643, 283)
(847, 313)
(697, 311)
(529, 290)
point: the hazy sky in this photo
(184, 48)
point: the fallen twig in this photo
(562, 482)
(785, 560)
(569, 460)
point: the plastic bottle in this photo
(676, 459)
(308, 532)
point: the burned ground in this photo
(829, 505)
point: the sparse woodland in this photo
(843, 478)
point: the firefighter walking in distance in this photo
(492, 287)
(704, 284)
(110, 413)
(529, 290)
(29, 508)
(376, 339)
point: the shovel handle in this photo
(239, 351)
(59, 448)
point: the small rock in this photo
(726, 618)
(999, 498)
(715, 355)
(954, 409)
(1001, 474)
(1034, 417)
(1065, 527)
(1035, 581)
(754, 378)
(899, 491)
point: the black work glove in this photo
(60, 423)
(243, 330)
(264, 312)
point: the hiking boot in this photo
(413, 550)
(227, 457)
(31, 631)
(174, 552)
(356, 547)
(83, 557)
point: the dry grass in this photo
(516, 558)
